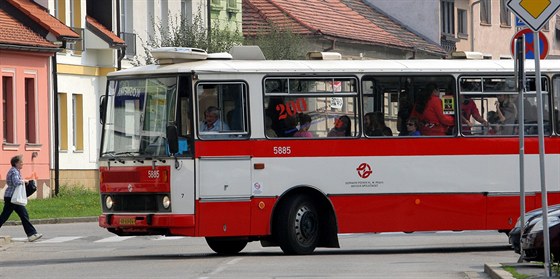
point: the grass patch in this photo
(514, 272)
(70, 202)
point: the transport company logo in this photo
(364, 170)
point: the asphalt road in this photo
(83, 250)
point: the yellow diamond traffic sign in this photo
(535, 13)
(534, 7)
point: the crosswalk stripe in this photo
(60, 239)
(114, 239)
(163, 237)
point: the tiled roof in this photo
(258, 15)
(14, 32)
(103, 32)
(343, 19)
(326, 17)
(40, 15)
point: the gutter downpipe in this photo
(472, 23)
(120, 51)
(56, 128)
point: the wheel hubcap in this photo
(306, 225)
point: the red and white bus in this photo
(164, 170)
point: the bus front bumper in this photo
(148, 224)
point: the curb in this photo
(55, 221)
(495, 271)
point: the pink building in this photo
(26, 84)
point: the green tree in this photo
(180, 32)
(280, 43)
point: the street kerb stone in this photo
(495, 271)
(56, 221)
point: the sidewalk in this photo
(4, 240)
(534, 271)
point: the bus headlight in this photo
(108, 202)
(166, 202)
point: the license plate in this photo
(127, 221)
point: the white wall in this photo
(422, 16)
(144, 13)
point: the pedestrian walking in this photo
(13, 179)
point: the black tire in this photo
(226, 246)
(297, 226)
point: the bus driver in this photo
(212, 121)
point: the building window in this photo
(77, 122)
(462, 29)
(71, 23)
(123, 15)
(186, 11)
(30, 111)
(232, 5)
(60, 10)
(164, 14)
(63, 121)
(8, 109)
(505, 14)
(485, 12)
(448, 17)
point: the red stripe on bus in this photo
(377, 213)
(373, 147)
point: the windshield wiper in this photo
(112, 156)
(129, 153)
(110, 153)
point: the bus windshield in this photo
(138, 111)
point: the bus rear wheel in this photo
(297, 227)
(226, 246)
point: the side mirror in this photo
(102, 109)
(172, 138)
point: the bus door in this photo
(223, 165)
(182, 169)
(222, 114)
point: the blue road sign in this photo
(519, 22)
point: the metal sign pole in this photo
(544, 194)
(520, 76)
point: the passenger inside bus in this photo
(269, 132)
(468, 111)
(282, 124)
(507, 114)
(412, 127)
(374, 125)
(493, 123)
(404, 110)
(429, 111)
(342, 127)
(304, 121)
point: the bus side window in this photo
(222, 110)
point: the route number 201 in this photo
(291, 108)
(282, 150)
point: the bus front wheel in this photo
(297, 227)
(226, 246)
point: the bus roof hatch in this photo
(170, 55)
(247, 53)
